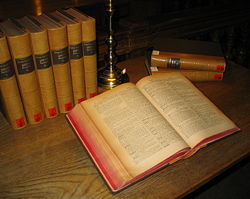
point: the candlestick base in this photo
(108, 79)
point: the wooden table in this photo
(48, 161)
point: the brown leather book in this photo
(42, 59)
(89, 50)
(74, 32)
(175, 60)
(187, 54)
(58, 42)
(20, 48)
(192, 75)
(9, 92)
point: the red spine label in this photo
(52, 112)
(218, 76)
(38, 117)
(68, 106)
(220, 68)
(92, 95)
(20, 122)
(80, 100)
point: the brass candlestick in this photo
(110, 76)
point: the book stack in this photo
(197, 60)
(47, 65)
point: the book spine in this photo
(61, 68)
(20, 48)
(187, 61)
(90, 58)
(76, 62)
(9, 91)
(44, 72)
(192, 75)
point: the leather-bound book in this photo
(58, 42)
(42, 60)
(74, 32)
(192, 75)
(134, 130)
(20, 48)
(187, 54)
(9, 92)
(89, 49)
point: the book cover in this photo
(42, 60)
(89, 49)
(58, 42)
(10, 95)
(21, 51)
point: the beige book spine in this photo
(61, 67)
(187, 61)
(76, 62)
(192, 75)
(90, 58)
(9, 91)
(21, 51)
(44, 72)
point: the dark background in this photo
(137, 22)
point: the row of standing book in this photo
(47, 65)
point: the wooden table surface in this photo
(48, 161)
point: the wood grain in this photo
(47, 160)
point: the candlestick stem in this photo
(111, 76)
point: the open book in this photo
(134, 130)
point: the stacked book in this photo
(47, 65)
(197, 60)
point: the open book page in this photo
(134, 129)
(193, 116)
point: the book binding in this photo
(9, 91)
